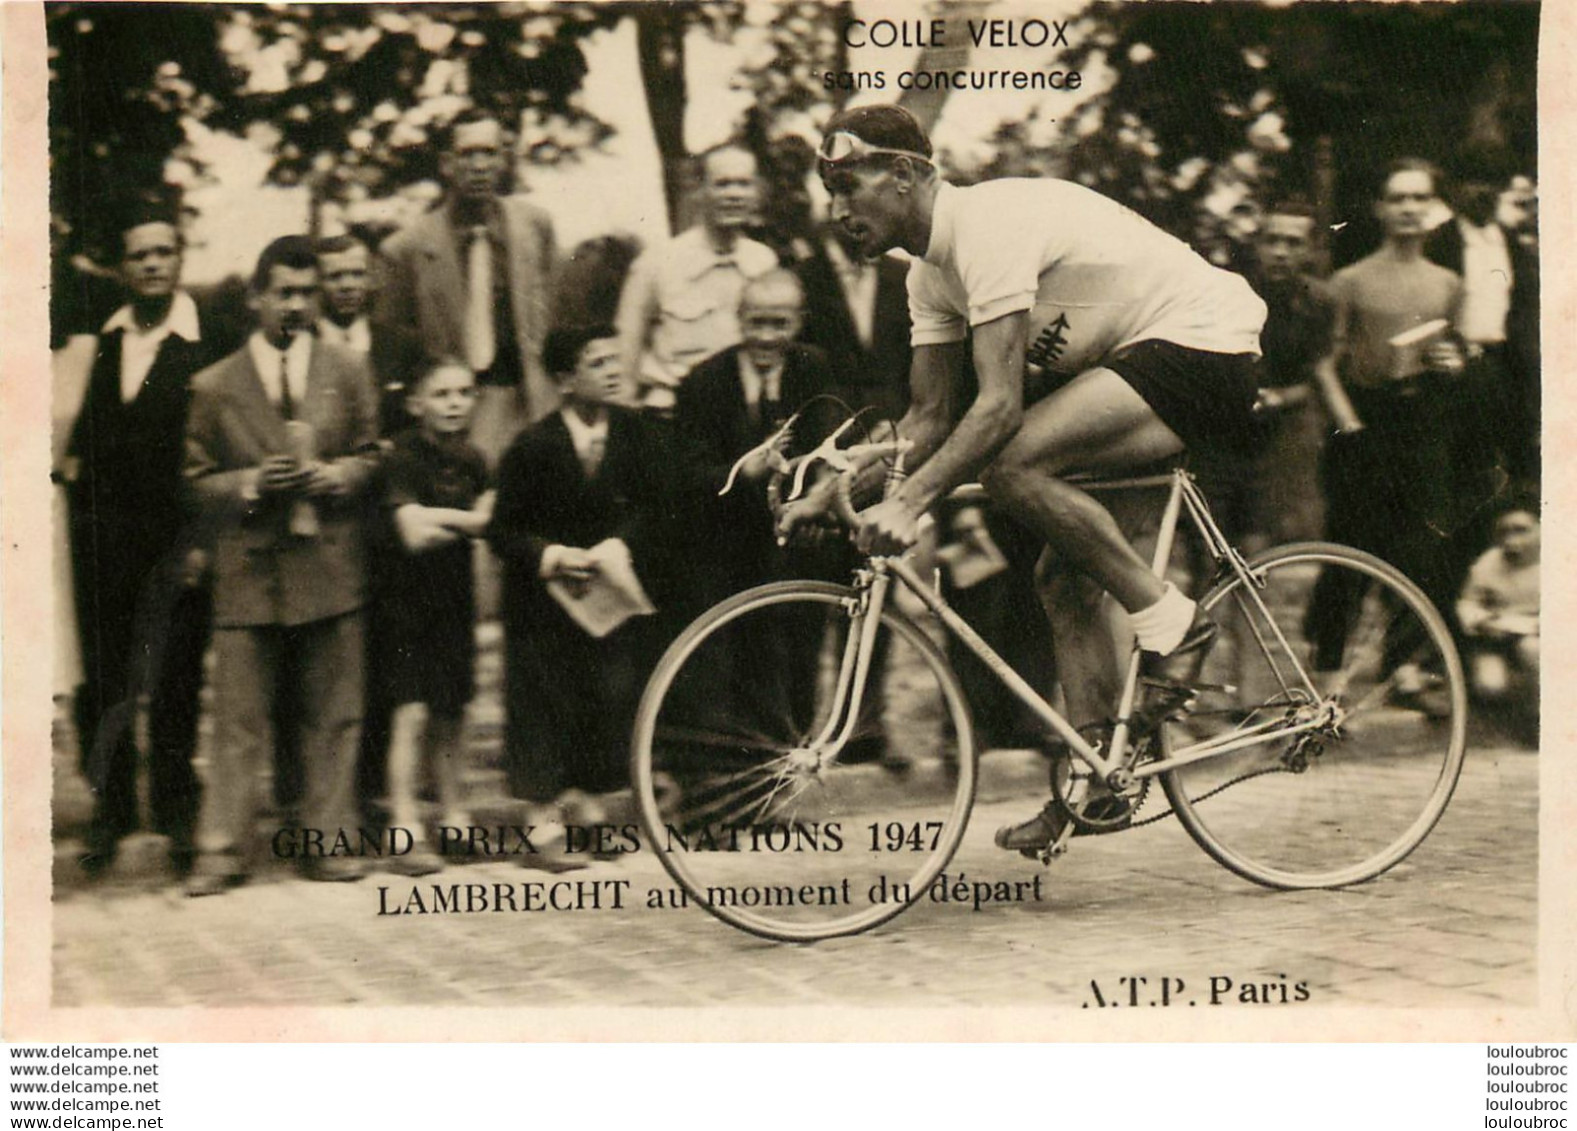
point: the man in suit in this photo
(727, 407)
(393, 352)
(474, 278)
(584, 475)
(279, 449)
(857, 312)
(1498, 323)
(394, 356)
(142, 608)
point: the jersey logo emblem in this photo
(1048, 346)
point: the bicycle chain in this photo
(1169, 811)
(1228, 784)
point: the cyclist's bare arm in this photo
(933, 399)
(985, 428)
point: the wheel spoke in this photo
(814, 833)
(724, 801)
(1356, 799)
(735, 744)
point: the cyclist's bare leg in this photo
(1090, 632)
(1096, 422)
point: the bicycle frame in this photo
(874, 585)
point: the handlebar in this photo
(848, 463)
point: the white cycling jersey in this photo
(1094, 275)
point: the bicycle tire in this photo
(699, 718)
(1341, 812)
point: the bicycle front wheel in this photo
(778, 804)
(1340, 631)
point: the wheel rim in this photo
(758, 823)
(1342, 805)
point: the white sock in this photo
(1161, 627)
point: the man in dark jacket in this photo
(857, 313)
(142, 608)
(584, 477)
(728, 406)
(1498, 323)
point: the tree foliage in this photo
(346, 97)
(1215, 103)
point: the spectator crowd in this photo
(405, 436)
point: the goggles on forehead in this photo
(842, 146)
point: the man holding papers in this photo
(579, 504)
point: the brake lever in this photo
(828, 451)
(772, 445)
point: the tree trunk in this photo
(926, 105)
(842, 17)
(660, 45)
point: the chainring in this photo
(1097, 809)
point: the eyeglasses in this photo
(842, 146)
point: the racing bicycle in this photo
(1325, 760)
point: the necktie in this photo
(771, 390)
(287, 403)
(480, 346)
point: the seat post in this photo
(1168, 532)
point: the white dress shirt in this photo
(357, 337)
(139, 347)
(858, 280)
(590, 440)
(1486, 284)
(297, 359)
(591, 444)
(680, 305)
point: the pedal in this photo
(1046, 855)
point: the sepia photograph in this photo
(797, 506)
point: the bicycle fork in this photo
(864, 611)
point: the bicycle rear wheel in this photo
(1342, 803)
(749, 798)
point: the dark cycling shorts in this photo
(1206, 398)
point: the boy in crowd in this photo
(575, 490)
(1499, 609)
(436, 494)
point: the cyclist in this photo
(1099, 343)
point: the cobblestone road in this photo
(1455, 925)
